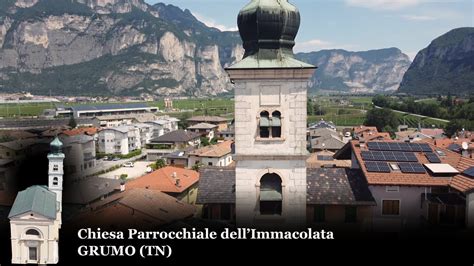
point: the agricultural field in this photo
(342, 110)
(23, 109)
(217, 106)
(412, 121)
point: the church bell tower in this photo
(270, 118)
(56, 172)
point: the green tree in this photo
(72, 122)
(457, 125)
(205, 141)
(381, 118)
(123, 178)
(310, 107)
(319, 110)
(160, 163)
(197, 166)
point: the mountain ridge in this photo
(127, 47)
(446, 65)
(378, 70)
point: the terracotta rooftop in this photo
(135, 207)
(369, 135)
(166, 180)
(216, 151)
(203, 126)
(445, 143)
(319, 159)
(211, 119)
(415, 179)
(80, 131)
(360, 129)
(432, 131)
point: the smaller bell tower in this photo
(56, 171)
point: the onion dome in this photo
(56, 146)
(270, 25)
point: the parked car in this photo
(149, 169)
(129, 164)
(105, 158)
(116, 159)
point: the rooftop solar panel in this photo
(469, 172)
(394, 146)
(373, 146)
(389, 156)
(432, 157)
(415, 147)
(404, 146)
(379, 167)
(425, 147)
(413, 168)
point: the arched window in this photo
(55, 181)
(270, 195)
(264, 124)
(32, 232)
(276, 124)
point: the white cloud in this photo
(316, 44)
(383, 4)
(213, 24)
(418, 17)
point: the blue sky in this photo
(355, 25)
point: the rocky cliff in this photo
(370, 71)
(446, 65)
(127, 47)
(80, 47)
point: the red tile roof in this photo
(411, 179)
(165, 179)
(375, 136)
(462, 182)
(135, 208)
(432, 131)
(360, 129)
(83, 130)
(216, 151)
(444, 143)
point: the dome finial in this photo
(56, 146)
(269, 26)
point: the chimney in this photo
(174, 175)
(122, 187)
(178, 181)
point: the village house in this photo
(206, 130)
(228, 134)
(176, 140)
(220, 122)
(176, 182)
(119, 140)
(80, 151)
(163, 125)
(213, 155)
(412, 183)
(123, 120)
(179, 158)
